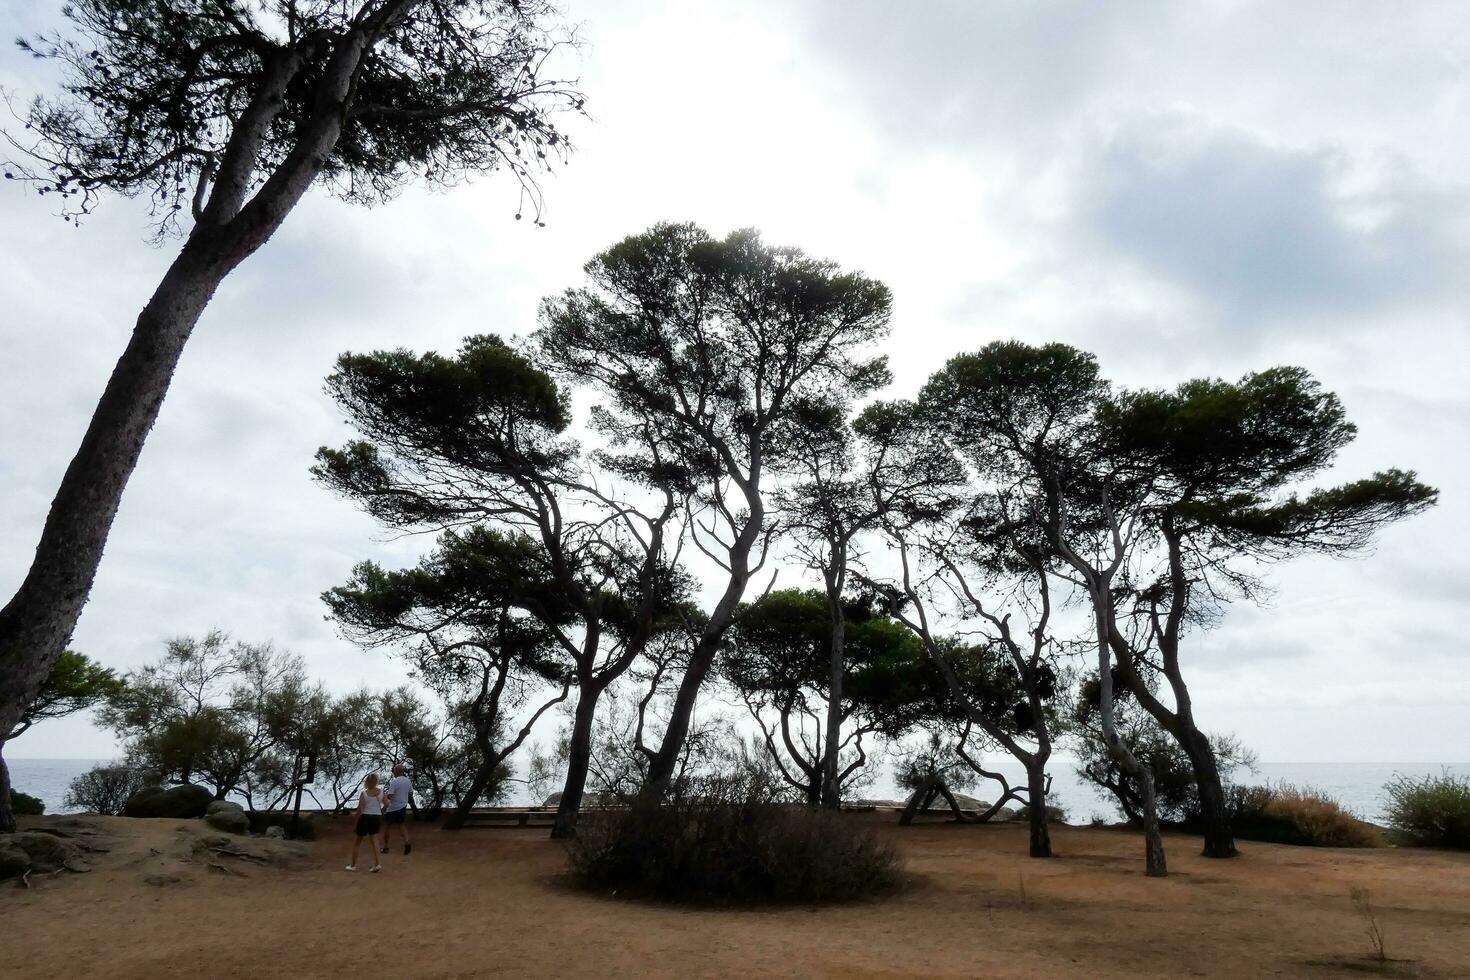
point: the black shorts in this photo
(369, 824)
(396, 816)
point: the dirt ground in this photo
(479, 903)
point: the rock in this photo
(553, 800)
(163, 878)
(30, 851)
(185, 801)
(231, 821)
(217, 806)
(276, 833)
(262, 820)
(13, 861)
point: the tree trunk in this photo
(579, 758)
(1214, 814)
(470, 797)
(665, 760)
(7, 812)
(831, 796)
(37, 622)
(1036, 808)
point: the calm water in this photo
(1359, 786)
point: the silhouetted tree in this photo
(453, 621)
(1223, 461)
(709, 357)
(778, 657)
(474, 445)
(227, 111)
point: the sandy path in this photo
(493, 903)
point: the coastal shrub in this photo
(105, 789)
(25, 805)
(1432, 812)
(731, 839)
(1287, 814)
(1054, 813)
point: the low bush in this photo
(1054, 814)
(1432, 812)
(1286, 814)
(25, 805)
(731, 839)
(105, 789)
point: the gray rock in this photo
(262, 821)
(276, 833)
(553, 800)
(185, 801)
(42, 853)
(231, 821)
(217, 806)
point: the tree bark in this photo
(470, 797)
(7, 812)
(1036, 808)
(37, 622)
(1214, 814)
(830, 792)
(579, 758)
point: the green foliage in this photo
(105, 789)
(25, 805)
(216, 712)
(710, 355)
(76, 683)
(1433, 811)
(731, 839)
(155, 94)
(1176, 789)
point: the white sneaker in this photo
(352, 867)
(376, 868)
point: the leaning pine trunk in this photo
(7, 813)
(37, 622)
(579, 758)
(468, 798)
(1154, 863)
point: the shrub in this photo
(25, 805)
(1286, 814)
(1054, 813)
(730, 838)
(1432, 812)
(105, 789)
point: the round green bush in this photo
(1432, 812)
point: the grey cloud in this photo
(1252, 230)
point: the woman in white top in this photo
(369, 820)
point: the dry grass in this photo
(1320, 819)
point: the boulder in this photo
(13, 861)
(41, 853)
(553, 800)
(229, 817)
(276, 833)
(178, 802)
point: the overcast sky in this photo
(1184, 189)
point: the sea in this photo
(1356, 785)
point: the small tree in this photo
(211, 711)
(451, 618)
(778, 659)
(708, 357)
(222, 113)
(475, 444)
(106, 789)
